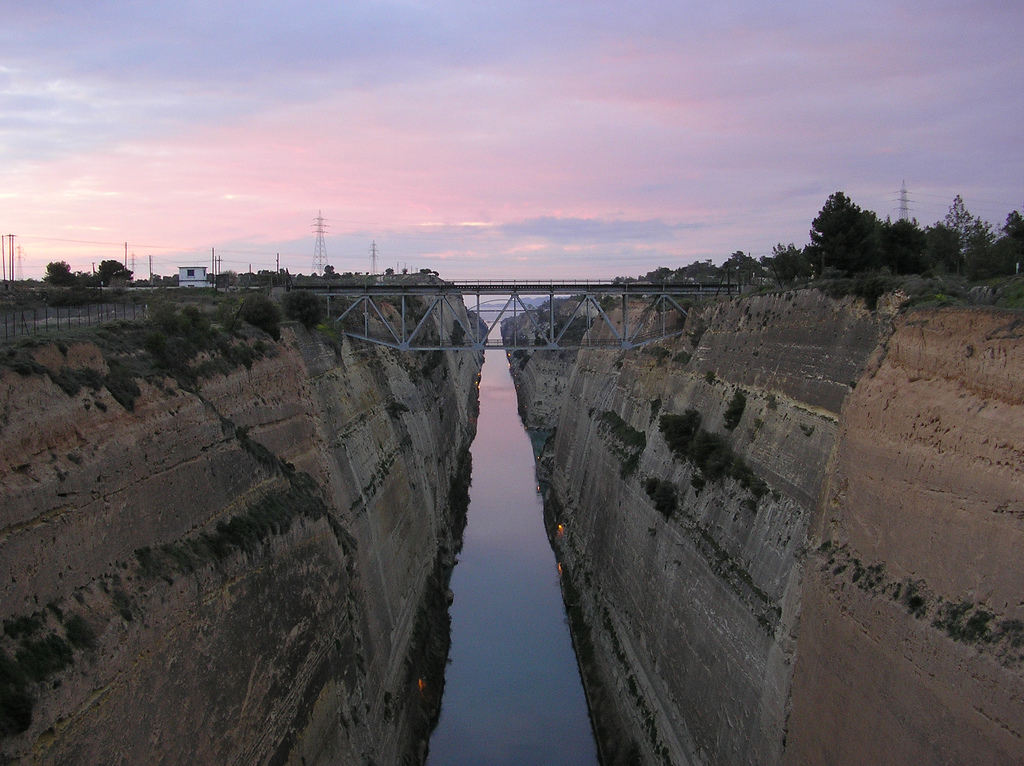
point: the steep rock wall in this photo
(693, 617)
(911, 642)
(247, 571)
(863, 605)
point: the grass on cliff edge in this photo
(187, 342)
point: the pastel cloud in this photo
(629, 136)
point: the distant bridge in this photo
(391, 312)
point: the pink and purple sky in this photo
(493, 139)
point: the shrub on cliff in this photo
(304, 307)
(709, 453)
(734, 412)
(261, 312)
(664, 495)
(679, 431)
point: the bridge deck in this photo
(640, 305)
(390, 286)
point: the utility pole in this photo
(320, 248)
(126, 255)
(3, 257)
(373, 258)
(150, 269)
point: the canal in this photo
(512, 688)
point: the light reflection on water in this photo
(512, 691)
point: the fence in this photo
(36, 321)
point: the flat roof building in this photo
(192, 276)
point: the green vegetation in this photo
(58, 274)
(80, 634)
(963, 621)
(40, 651)
(710, 453)
(659, 353)
(655, 408)
(260, 311)
(853, 252)
(395, 408)
(664, 495)
(304, 307)
(734, 412)
(627, 442)
(246, 532)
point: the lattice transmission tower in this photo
(904, 203)
(320, 249)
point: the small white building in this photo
(192, 276)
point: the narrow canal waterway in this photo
(512, 689)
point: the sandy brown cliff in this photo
(247, 570)
(813, 576)
(912, 635)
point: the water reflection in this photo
(512, 690)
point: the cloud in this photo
(576, 230)
(662, 129)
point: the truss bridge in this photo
(472, 316)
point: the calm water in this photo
(512, 691)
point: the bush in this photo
(304, 307)
(734, 412)
(679, 431)
(79, 634)
(41, 659)
(263, 313)
(664, 495)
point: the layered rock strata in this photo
(811, 511)
(247, 570)
(912, 633)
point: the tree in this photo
(304, 307)
(974, 239)
(1014, 227)
(58, 273)
(942, 251)
(111, 270)
(902, 246)
(843, 237)
(261, 312)
(743, 268)
(787, 264)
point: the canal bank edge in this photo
(872, 506)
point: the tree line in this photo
(59, 273)
(847, 241)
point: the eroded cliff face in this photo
(250, 570)
(708, 553)
(912, 636)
